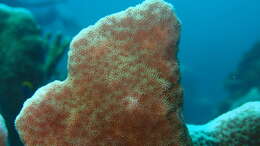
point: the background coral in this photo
(247, 73)
(240, 126)
(48, 15)
(243, 85)
(23, 62)
(122, 88)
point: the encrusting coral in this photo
(23, 64)
(3, 132)
(240, 126)
(122, 87)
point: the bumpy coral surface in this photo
(238, 127)
(3, 132)
(122, 88)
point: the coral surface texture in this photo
(240, 126)
(122, 88)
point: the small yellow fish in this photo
(27, 84)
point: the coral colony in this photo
(123, 89)
(240, 126)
